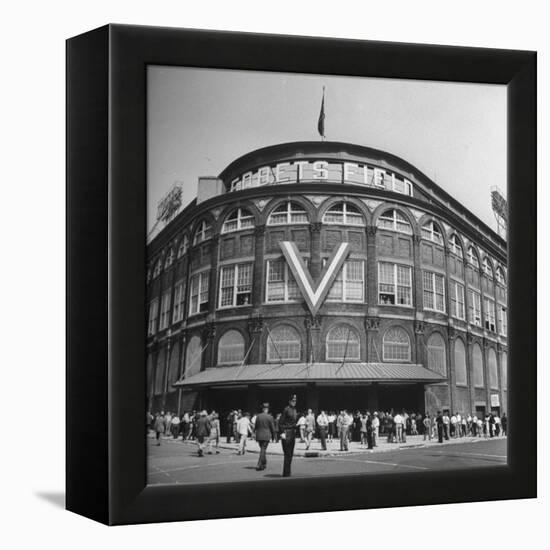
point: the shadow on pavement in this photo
(57, 499)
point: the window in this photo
(487, 269)
(396, 345)
(500, 276)
(193, 356)
(238, 219)
(283, 343)
(437, 354)
(489, 314)
(184, 246)
(456, 248)
(236, 285)
(394, 284)
(288, 213)
(231, 347)
(153, 315)
(474, 308)
(472, 257)
(179, 301)
(477, 357)
(165, 311)
(199, 292)
(457, 300)
(502, 321)
(460, 363)
(157, 269)
(281, 285)
(343, 213)
(431, 232)
(169, 259)
(349, 285)
(394, 221)
(342, 343)
(492, 367)
(203, 232)
(434, 291)
(402, 186)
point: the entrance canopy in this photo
(317, 372)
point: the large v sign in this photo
(314, 296)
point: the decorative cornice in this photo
(419, 327)
(256, 325)
(372, 323)
(371, 230)
(316, 227)
(313, 322)
(259, 231)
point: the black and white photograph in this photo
(326, 276)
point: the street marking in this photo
(196, 466)
(473, 454)
(379, 462)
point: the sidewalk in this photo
(333, 448)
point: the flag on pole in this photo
(321, 122)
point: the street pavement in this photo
(175, 461)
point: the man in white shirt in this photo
(244, 429)
(454, 426)
(446, 423)
(322, 423)
(398, 421)
(375, 429)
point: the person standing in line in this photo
(175, 426)
(309, 427)
(440, 426)
(287, 429)
(345, 422)
(369, 431)
(497, 425)
(474, 425)
(446, 424)
(264, 429)
(453, 426)
(229, 426)
(214, 436)
(302, 428)
(480, 425)
(167, 423)
(504, 424)
(276, 421)
(236, 418)
(322, 423)
(375, 429)
(491, 425)
(158, 426)
(331, 426)
(202, 431)
(363, 429)
(427, 427)
(244, 429)
(398, 420)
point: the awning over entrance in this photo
(317, 372)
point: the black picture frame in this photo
(106, 213)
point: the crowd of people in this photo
(327, 426)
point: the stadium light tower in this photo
(500, 209)
(168, 207)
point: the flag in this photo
(321, 122)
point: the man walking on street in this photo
(440, 426)
(310, 427)
(264, 428)
(322, 423)
(202, 431)
(244, 429)
(287, 428)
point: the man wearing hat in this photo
(202, 431)
(287, 427)
(264, 428)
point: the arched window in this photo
(504, 371)
(396, 345)
(437, 356)
(203, 232)
(169, 258)
(343, 213)
(157, 269)
(500, 276)
(455, 246)
(431, 232)
(343, 344)
(184, 246)
(460, 363)
(288, 213)
(283, 343)
(477, 358)
(472, 257)
(174, 368)
(238, 219)
(193, 357)
(231, 347)
(394, 221)
(492, 367)
(487, 269)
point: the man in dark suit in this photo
(265, 432)
(287, 428)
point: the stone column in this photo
(181, 370)
(166, 367)
(418, 290)
(255, 331)
(451, 376)
(470, 370)
(372, 268)
(258, 283)
(207, 339)
(213, 288)
(315, 250)
(153, 350)
(374, 349)
(314, 346)
(420, 341)
(486, 379)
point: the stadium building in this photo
(336, 271)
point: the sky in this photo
(200, 120)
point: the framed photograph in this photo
(301, 274)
